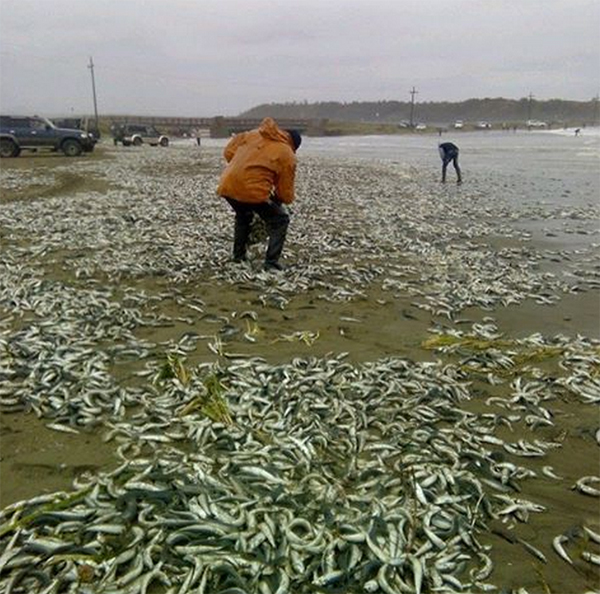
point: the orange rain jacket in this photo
(259, 162)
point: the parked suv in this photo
(138, 134)
(19, 133)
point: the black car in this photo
(19, 133)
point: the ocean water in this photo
(541, 166)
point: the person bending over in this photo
(259, 180)
(449, 153)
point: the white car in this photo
(420, 127)
(459, 124)
(536, 124)
(139, 134)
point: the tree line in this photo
(489, 109)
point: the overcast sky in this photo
(221, 57)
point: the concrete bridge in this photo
(218, 127)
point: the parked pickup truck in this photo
(18, 133)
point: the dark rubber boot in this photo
(277, 219)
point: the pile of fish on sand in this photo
(316, 475)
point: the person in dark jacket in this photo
(449, 154)
(259, 180)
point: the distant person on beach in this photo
(449, 154)
(577, 131)
(259, 180)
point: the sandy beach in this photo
(111, 262)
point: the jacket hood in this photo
(269, 129)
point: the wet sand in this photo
(34, 459)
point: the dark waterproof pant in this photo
(276, 219)
(450, 157)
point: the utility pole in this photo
(413, 92)
(91, 67)
(596, 101)
(529, 107)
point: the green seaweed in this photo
(211, 403)
(521, 355)
(173, 367)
